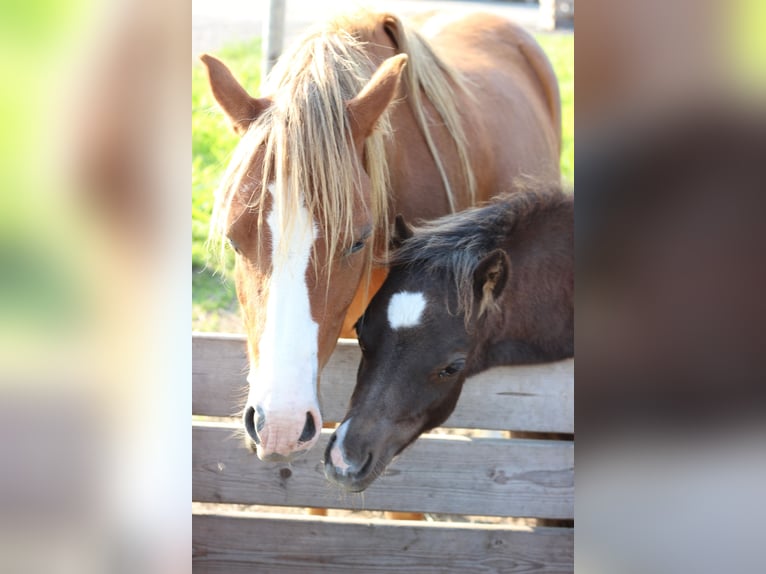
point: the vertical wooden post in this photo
(547, 14)
(273, 35)
(555, 14)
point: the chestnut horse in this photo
(363, 118)
(488, 286)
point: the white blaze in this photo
(284, 382)
(405, 309)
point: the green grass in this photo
(213, 297)
(560, 50)
(212, 139)
(214, 302)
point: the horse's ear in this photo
(239, 106)
(402, 232)
(489, 279)
(369, 104)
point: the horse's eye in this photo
(453, 369)
(356, 246)
(234, 246)
(362, 237)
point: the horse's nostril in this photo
(249, 420)
(260, 421)
(251, 424)
(309, 429)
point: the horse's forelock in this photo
(304, 147)
(313, 152)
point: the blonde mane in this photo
(305, 133)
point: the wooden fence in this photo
(439, 474)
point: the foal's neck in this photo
(535, 321)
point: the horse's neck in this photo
(417, 189)
(496, 353)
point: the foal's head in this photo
(300, 204)
(416, 354)
(484, 287)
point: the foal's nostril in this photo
(366, 466)
(309, 430)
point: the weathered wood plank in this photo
(307, 545)
(219, 368)
(530, 398)
(497, 477)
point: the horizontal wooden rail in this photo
(458, 475)
(448, 474)
(536, 398)
(303, 545)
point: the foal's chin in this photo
(353, 482)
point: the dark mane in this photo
(450, 248)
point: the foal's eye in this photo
(453, 369)
(234, 246)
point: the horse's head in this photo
(301, 205)
(417, 349)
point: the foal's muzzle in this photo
(350, 473)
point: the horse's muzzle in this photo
(276, 439)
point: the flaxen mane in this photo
(305, 132)
(450, 248)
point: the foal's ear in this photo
(239, 106)
(402, 232)
(366, 108)
(489, 279)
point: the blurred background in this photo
(95, 359)
(95, 293)
(670, 399)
